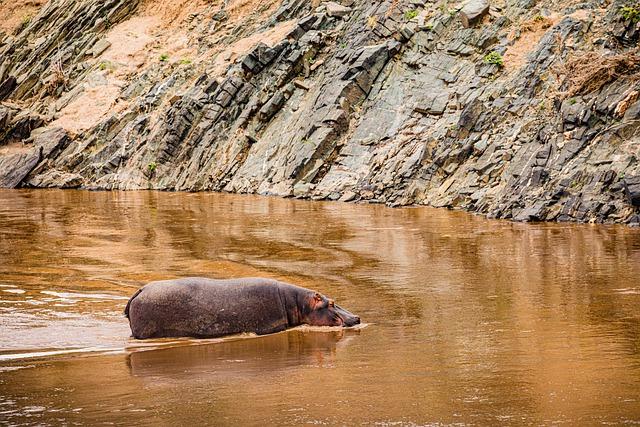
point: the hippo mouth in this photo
(346, 318)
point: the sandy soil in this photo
(14, 148)
(161, 28)
(173, 12)
(532, 32)
(134, 44)
(14, 12)
(243, 46)
(87, 109)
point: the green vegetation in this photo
(630, 13)
(343, 45)
(164, 57)
(185, 61)
(25, 21)
(151, 167)
(410, 14)
(538, 18)
(572, 101)
(493, 58)
(106, 65)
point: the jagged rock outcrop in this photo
(530, 113)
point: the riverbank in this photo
(526, 110)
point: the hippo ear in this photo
(317, 296)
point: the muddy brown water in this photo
(468, 321)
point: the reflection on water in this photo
(471, 321)
(240, 357)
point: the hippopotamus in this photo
(207, 308)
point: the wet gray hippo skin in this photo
(206, 308)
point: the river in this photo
(467, 321)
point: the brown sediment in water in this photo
(470, 320)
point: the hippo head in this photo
(322, 311)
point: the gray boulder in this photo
(335, 9)
(632, 189)
(473, 11)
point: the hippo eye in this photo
(332, 304)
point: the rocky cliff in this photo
(519, 109)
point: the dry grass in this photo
(590, 71)
(58, 77)
(394, 4)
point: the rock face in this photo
(473, 11)
(632, 188)
(389, 102)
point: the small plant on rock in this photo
(185, 61)
(107, 66)
(630, 13)
(26, 20)
(164, 57)
(372, 21)
(410, 14)
(444, 7)
(493, 58)
(57, 81)
(151, 167)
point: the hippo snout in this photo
(352, 322)
(348, 318)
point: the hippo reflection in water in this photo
(234, 358)
(207, 308)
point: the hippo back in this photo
(202, 308)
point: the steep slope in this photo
(515, 109)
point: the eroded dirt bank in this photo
(516, 109)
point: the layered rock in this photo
(392, 102)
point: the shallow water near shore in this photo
(469, 321)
